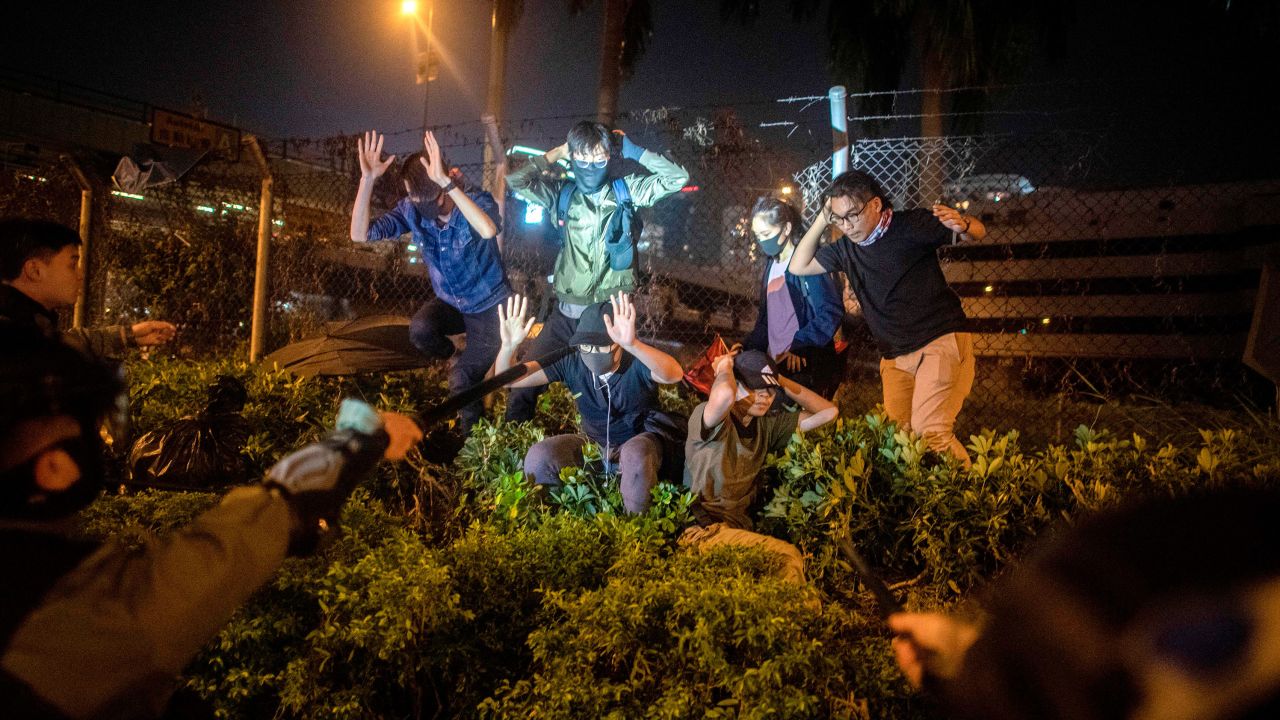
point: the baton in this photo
(465, 397)
(886, 603)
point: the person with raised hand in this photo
(890, 258)
(455, 229)
(595, 211)
(614, 377)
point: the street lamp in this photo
(424, 65)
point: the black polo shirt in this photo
(617, 406)
(899, 282)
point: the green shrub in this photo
(701, 635)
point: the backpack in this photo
(624, 227)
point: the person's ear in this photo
(878, 206)
(55, 470)
(33, 269)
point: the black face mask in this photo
(771, 246)
(22, 498)
(590, 178)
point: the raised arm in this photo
(372, 166)
(530, 182)
(622, 329)
(803, 260)
(967, 227)
(667, 177)
(723, 393)
(514, 328)
(477, 218)
(815, 410)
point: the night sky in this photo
(319, 68)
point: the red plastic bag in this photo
(702, 374)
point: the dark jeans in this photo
(637, 461)
(522, 402)
(429, 330)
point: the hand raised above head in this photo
(622, 327)
(513, 327)
(369, 151)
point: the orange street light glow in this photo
(409, 7)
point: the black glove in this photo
(317, 480)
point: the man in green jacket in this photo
(590, 267)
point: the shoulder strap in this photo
(622, 193)
(562, 201)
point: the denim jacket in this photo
(466, 269)
(818, 305)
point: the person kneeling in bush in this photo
(730, 435)
(614, 378)
(90, 630)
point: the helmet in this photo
(41, 378)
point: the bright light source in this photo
(690, 188)
(525, 150)
(1044, 321)
(532, 214)
(204, 208)
(411, 247)
(786, 189)
(988, 288)
(409, 7)
(131, 196)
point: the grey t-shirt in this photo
(722, 463)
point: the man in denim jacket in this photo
(456, 230)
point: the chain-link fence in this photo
(1090, 286)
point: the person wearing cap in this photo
(614, 377)
(890, 258)
(730, 436)
(591, 206)
(92, 630)
(41, 273)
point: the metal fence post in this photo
(258, 327)
(86, 243)
(839, 131)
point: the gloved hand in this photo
(317, 480)
(630, 150)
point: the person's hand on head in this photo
(513, 327)
(558, 153)
(369, 150)
(153, 332)
(622, 327)
(433, 160)
(403, 432)
(825, 212)
(630, 150)
(930, 643)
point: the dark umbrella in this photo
(378, 343)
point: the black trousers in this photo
(429, 330)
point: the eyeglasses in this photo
(597, 164)
(847, 218)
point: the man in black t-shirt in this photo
(920, 329)
(614, 378)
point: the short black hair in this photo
(777, 211)
(587, 135)
(22, 239)
(860, 185)
(421, 187)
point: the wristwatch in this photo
(446, 189)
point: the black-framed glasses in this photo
(848, 217)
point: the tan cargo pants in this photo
(924, 390)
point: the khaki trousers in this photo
(924, 390)
(718, 534)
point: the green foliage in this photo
(517, 601)
(699, 635)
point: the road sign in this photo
(179, 130)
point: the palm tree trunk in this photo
(493, 106)
(611, 39)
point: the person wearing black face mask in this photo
(103, 630)
(595, 260)
(798, 314)
(614, 377)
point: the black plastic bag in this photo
(197, 451)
